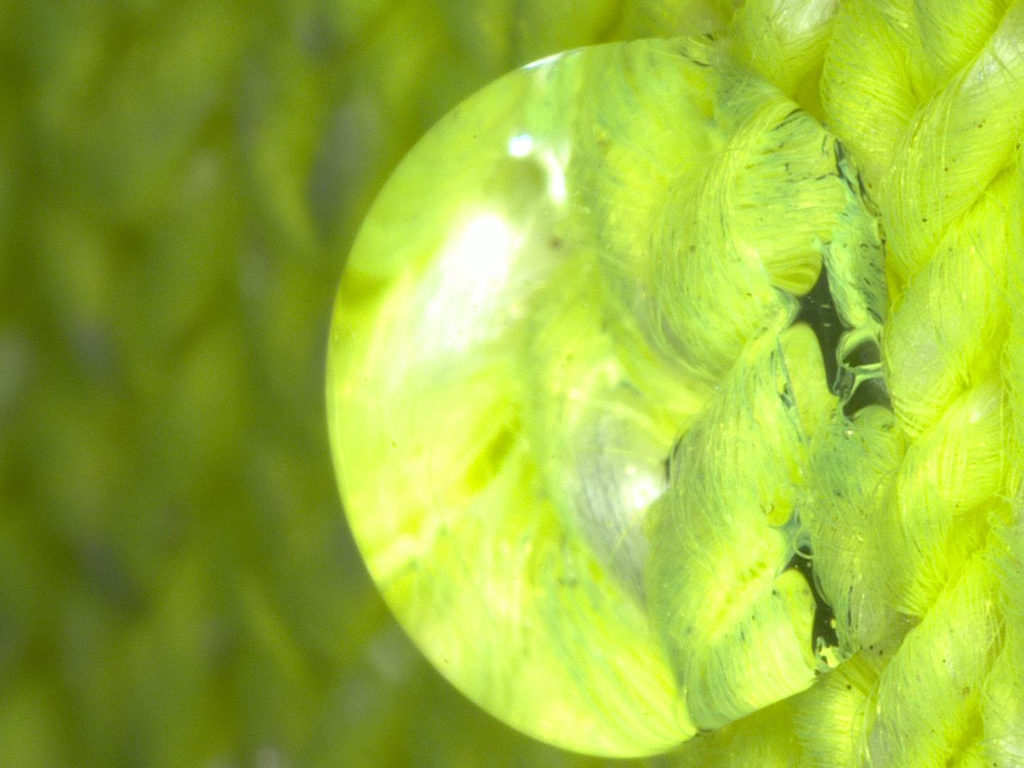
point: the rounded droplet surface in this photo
(562, 296)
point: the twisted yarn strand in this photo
(916, 513)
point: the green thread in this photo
(781, 270)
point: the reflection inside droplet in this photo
(520, 145)
(463, 286)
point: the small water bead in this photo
(571, 309)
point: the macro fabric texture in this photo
(674, 388)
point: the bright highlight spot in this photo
(520, 145)
(471, 273)
(556, 176)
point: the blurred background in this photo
(179, 185)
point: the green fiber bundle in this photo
(914, 512)
(729, 437)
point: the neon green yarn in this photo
(730, 435)
(916, 516)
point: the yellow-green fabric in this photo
(179, 185)
(784, 259)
